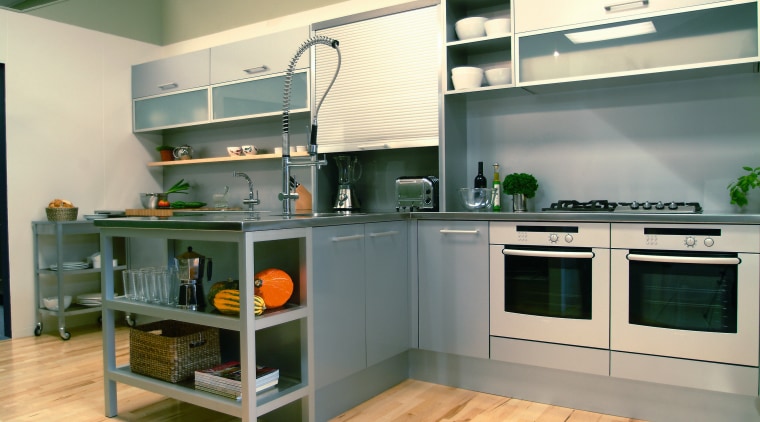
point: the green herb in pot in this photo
(739, 188)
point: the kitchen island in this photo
(436, 351)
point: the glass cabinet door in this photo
(171, 110)
(259, 96)
(722, 34)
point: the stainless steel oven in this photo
(549, 283)
(686, 291)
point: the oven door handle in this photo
(547, 254)
(684, 259)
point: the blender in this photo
(349, 171)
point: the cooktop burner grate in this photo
(598, 205)
(576, 206)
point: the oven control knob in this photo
(690, 241)
(568, 238)
(647, 205)
(660, 205)
(553, 238)
(634, 205)
(673, 206)
(709, 241)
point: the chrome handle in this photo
(170, 85)
(548, 254)
(256, 69)
(644, 3)
(346, 238)
(372, 146)
(448, 231)
(382, 234)
(684, 259)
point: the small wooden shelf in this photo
(223, 159)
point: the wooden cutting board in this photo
(166, 212)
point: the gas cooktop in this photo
(654, 207)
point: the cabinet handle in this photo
(170, 85)
(383, 234)
(644, 3)
(548, 254)
(449, 231)
(256, 69)
(345, 238)
(684, 259)
(384, 146)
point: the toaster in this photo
(417, 193)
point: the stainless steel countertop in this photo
(245, 221)
(596, 217)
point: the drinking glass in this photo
(129, 287)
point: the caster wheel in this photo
(131, 321)
(65, 335)
(38, 329)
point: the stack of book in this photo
(224, 379)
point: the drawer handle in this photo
(449, 231)
(256, 69)
(627, 5)
(684, 259)
(383, 234)
(374, 146)
(170, 85)
(346, 238)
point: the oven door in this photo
(693, 305)
(550, 294)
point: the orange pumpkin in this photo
(274, 285)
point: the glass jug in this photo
(349, 169)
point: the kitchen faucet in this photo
(251, 201)
(312, 161)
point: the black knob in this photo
(647, 205)
(673, 206)
(634, 205)
(660, 205)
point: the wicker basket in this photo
(62, 214)
(172, 350)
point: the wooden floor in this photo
(47, 379)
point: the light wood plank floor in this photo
(47, 379)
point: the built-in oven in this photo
(549, 293)
(689, 293)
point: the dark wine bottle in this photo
(480, 180)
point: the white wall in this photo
(68, 133)
(683, 141)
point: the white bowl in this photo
(467, 77)
(51, 303)
(499, 76)
(470, 28)
(497, 27)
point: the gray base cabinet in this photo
(361, 305)
(453, 287)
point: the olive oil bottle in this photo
(496, 188)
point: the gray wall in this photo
(683, 141)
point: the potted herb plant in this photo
(521, 186)
(166, 151)
(743, 184)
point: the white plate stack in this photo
(76, 265)
(90, 299)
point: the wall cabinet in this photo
(485, 52)
(258, 56)
(280, 337)
(230, 82)
(721, 35)
(534, 14)
(172, 74)
(386, 94)
(361, 307)
(453, 287)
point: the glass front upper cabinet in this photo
(259, 97)
(167, 111)
(699, 38)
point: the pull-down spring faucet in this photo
(286, 195)
(251, 201)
